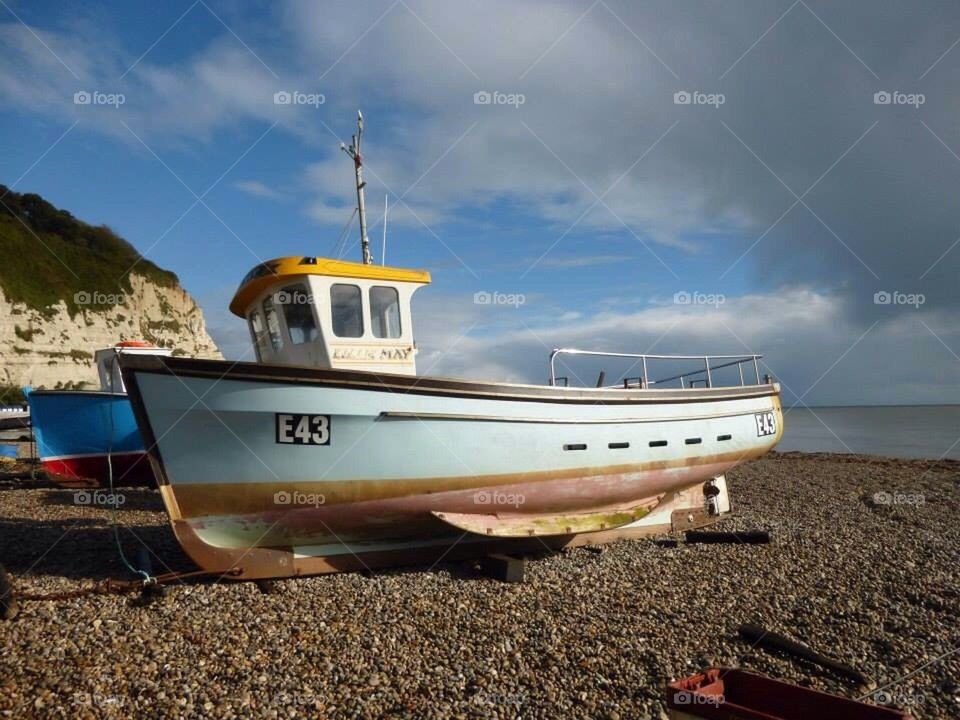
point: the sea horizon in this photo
(870, 405)
(928, 432)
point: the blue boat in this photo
(84, 437)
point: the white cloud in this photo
(599, 120)
(596, 120)
(498, 152)
(257, 189)
(583, 260)
(807, 337)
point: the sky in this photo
(770, 177)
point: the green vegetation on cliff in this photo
(49, 255)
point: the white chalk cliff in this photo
(53, 349)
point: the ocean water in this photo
(904, 431)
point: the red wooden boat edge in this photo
(718, 693)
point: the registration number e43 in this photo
(297, 429)
(766, 423)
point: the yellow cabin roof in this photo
(288, 268)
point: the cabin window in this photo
(385, 312)
(297, 305)
(347, 310)
(259, 333)
(273, 324)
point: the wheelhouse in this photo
(108, 370)
(330, 313)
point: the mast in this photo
(383, 250)
(354, 152)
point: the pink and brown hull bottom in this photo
(260, 530)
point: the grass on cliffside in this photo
(38, 243)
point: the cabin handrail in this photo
(708, 367)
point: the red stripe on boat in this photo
(129, 469)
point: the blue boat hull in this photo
(82, 435)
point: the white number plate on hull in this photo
(296, 429)
(766, 423)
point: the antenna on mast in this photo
(354, 152)
(383, 250)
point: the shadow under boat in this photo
(80, 548)
(121, 499)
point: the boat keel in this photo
(516, 525)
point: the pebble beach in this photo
(863, 566)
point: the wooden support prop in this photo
(504, 568)
(748, 537)
(760, 637)
(690, 518)
(8, 603)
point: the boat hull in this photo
(80, 434)
(93, 471)
(410, 460)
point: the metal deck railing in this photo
(644, 360)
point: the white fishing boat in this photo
(331, 453)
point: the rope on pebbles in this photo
(149, 589)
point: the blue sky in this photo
(785, 194)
